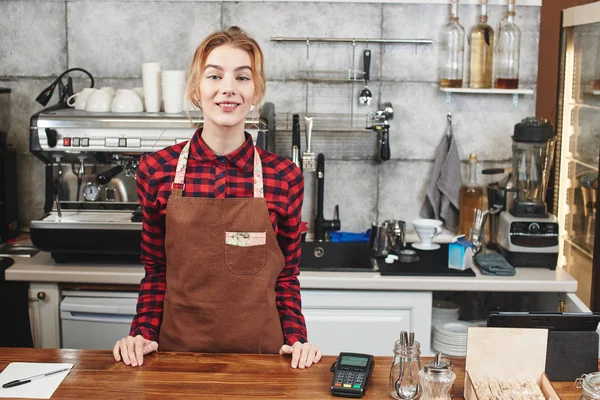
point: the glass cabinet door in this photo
(579, 130)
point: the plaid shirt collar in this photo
(242, 157)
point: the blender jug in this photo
(533, 152)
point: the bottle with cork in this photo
(507, 51)
(452, 50)
(470, 198)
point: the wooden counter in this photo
(96, 375)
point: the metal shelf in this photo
(309, 40)
(514, 92)
(584, 163)
(581, 245)
(326, 122)
(591, 91)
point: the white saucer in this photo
(422, 246)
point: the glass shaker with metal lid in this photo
(436, 379)
(589, 385)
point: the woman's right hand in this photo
(132, 349)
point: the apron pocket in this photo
(245, 252)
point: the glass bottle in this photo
(436, 379)
(404, 373)
(482, 52)
(452, 50)
(508, 51)
(470, 198)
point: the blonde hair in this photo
(235, 37)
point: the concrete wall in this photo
(111, 39)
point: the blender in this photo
(527, 234)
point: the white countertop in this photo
(42, 268)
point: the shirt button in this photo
(221, 159)
(222, 174)
(245, 168)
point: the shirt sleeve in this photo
(152, 287)
(287, 289)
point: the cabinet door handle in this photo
(41, 295)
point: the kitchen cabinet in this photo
(365, 321)
(44, 301)
(360, 311)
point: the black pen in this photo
(31, 378)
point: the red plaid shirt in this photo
(209, 175)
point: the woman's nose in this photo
(228, 86)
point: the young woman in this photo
(220, 238)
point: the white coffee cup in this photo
(427, 229)
(99, 101)
(140, 92)
(152, 87)
(173, 77)
(79, 99)
(126, 101)
(173, 90)
(109, 89)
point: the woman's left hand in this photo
(303, 354)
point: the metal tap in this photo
(321, 224)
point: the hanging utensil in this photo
(296, 140)
(308, 157)
(365, 95)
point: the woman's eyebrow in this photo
(221, 68)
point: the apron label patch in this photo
(246, 239)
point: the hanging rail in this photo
(307, 40)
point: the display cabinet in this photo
(578, 126)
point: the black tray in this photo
(431, 263)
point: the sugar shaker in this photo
(436, 379)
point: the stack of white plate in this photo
(451, 337)
(444, 311)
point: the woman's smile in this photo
(228, 106)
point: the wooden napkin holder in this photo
(507, 353)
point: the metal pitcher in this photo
(379, 240)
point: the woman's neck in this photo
(223, 140)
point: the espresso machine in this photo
(527, 234)
(91, 205)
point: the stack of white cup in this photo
(173, 88)
(152, 86)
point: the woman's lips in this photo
(228, 107)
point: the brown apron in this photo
(223, 261)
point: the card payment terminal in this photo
(351, 373)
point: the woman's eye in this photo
(213, 77)
(243, 78)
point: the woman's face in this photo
(226, 87)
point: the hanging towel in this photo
(441, 198)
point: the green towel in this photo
(494, 264)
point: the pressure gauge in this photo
(91, 191)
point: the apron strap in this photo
(258, 176)
(178, 185)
